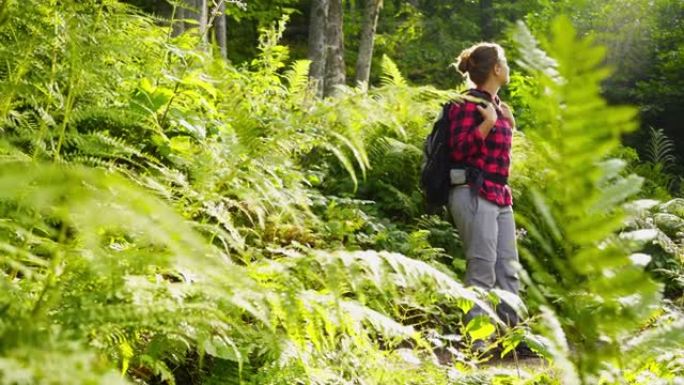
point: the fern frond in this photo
(408, 273)
(590, 284)
(535, 58)
(298, 77)
(660, 149)
(556, 344)
(391, 74)
(348, 165)
(664, 335)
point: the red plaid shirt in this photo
(491, 154)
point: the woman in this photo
(480, 199)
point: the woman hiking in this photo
(480, 200)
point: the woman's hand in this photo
(489, 113)
(507, 114)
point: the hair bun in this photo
(464, 61)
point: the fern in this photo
(94, 209)
(353, 271)
(391, 74)
(186, 245)
(298, 78)
(660, 149)
(579, 269)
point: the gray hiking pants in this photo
(487, 232)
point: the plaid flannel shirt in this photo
(491, 154)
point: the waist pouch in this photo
(463, 175)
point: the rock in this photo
(640, 259)
(655, 237)
(670, 224)
(674, 207)
(640, 236)
(640, 206)
(638, 213)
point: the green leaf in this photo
(480, 327)
(222, 347)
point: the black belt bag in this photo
(472, 175)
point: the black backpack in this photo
(435, 180)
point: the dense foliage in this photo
(643, 39)
(169, 217)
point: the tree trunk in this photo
(487, 19)
(317, 30)
(371, 11)
(191, 12)
(178, 20)
(220, 29)
(203, 18)
(334, 40)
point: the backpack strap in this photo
(480, 97)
